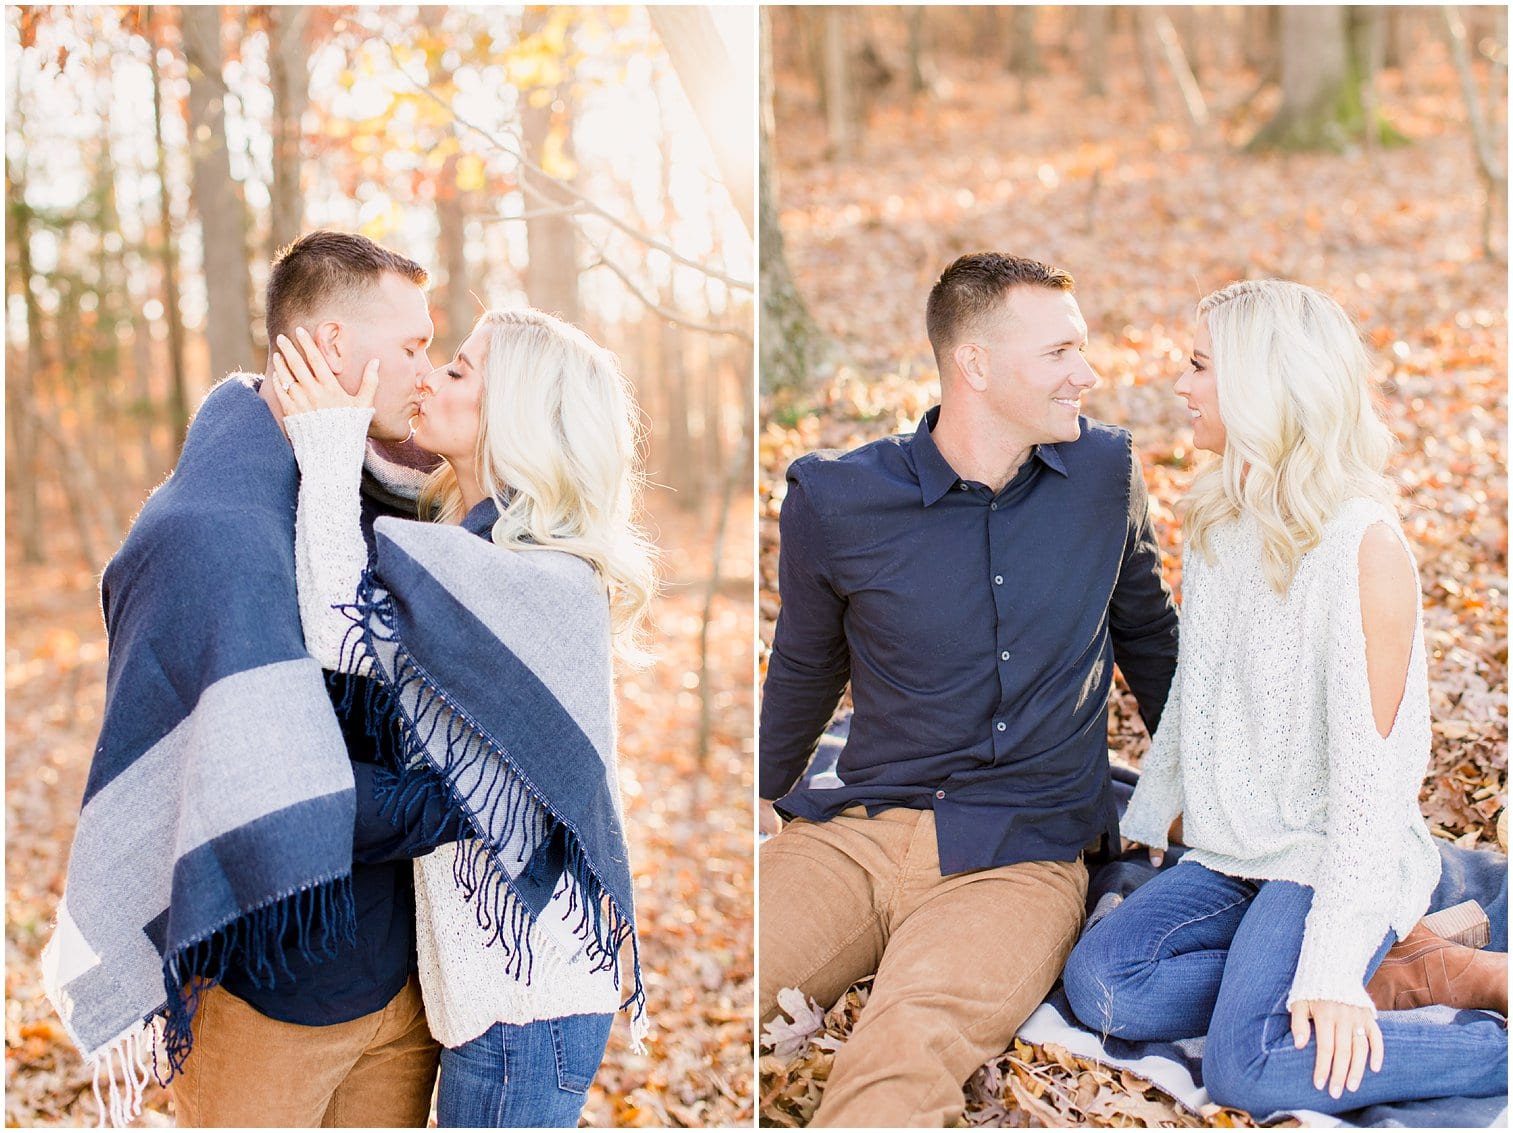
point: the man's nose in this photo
(1088, 375)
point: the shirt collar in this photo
(1050, 456)
(936, 477)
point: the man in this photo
(344, 1041)
(226, 846)
(974, 583)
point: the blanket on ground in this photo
(495, 665)
(1479, 875)
(1176, 1067)
(217, 818)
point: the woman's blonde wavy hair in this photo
(1303, 434)
(559, 448)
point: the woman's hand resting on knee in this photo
(1157, 856)
(1348, 1038)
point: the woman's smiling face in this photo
(449, 416)
(1199, 387)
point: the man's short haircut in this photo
(974, 286)
(321, 268)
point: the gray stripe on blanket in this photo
(227, 756)
(548, 588)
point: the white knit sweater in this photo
(1269, 750)
(463, 980)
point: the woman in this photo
(1292, 747)
(493, 655)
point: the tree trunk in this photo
(1399, 45)
(1024, 51)
(457, 306)
(1261, 25)
(1095, 20)
(1144, 33)
(1492, 172)
(141, 351)
(104, 370)
(178, 393)
(223, 218)
(288, 75)
(21, 383)
(840, 116)
(702, 63)
(791, 344)
(551, 274)
(1320, 100)
(919, 82)
(681, 475)
(1369, 35)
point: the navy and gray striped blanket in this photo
(495, 664)
(219, 807)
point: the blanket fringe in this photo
(433, 738)
(125, 1068)
(321, 917)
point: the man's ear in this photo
(331, 338)
(971, 362)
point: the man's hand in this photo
(768, 821)
(1348, 1039)
(305, 383)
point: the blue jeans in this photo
(522, 1075)
(1195, 952)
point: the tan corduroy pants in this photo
(961, 961)
(247, 1070)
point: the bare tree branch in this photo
(1176, 62)
(1481, 137)
(656, 308)
(1493, 173)
(587, 203)
(534, 214)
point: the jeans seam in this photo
(1192, 921)
(504, 1067)
(559, 1052)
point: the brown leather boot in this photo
(1422, 969)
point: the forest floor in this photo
(1148, 222)
(689, 825)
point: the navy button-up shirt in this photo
(978, 632)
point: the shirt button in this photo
(998, 580)
(962, 487)
(993, 507)
(1001, 726)
(1004, 656)
(940, 794)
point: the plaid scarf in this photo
(495, 665)
(217, 819)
